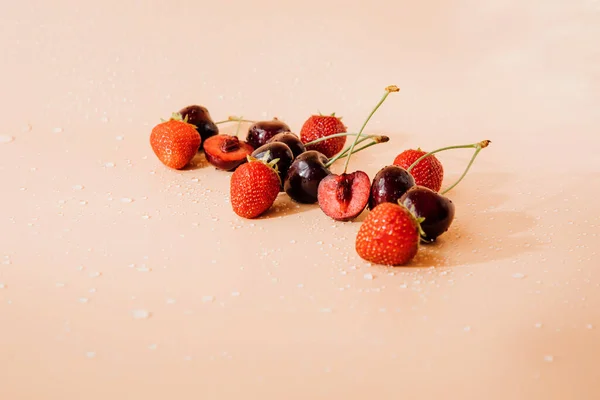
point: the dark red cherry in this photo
(261, 131)
(276, 150)
(343, 197)
(437, 210)
(304, 176)
(293, 142)
(226, 152)
(200, 118)
(389, 184)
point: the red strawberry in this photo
(389, 235)
(175, 142)
(318, 126)
(254, 186)
(429, 172)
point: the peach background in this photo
(505, 306)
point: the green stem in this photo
(324, 138)
(418, 160)
(345, 152)
(481, 145)
(237, 131)
(388, 90)
(464, 173)
(342, 155)
(234, 119)
(477, 146)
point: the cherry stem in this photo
(234, 119)
(376, 140)
(477, 146)
(324, 138)
(388, 90)
(345, 152)
(481, 145)
(237, 131)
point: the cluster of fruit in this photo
(404, 199)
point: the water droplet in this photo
(549, 358)
(143, 268)
(83, 202)
(126, 200)
(6, 139)
(77, 187)
(104, 119)
(94, 274)
(109, 164)
(153, 346)
(518, 275)
(119, 138)
(90, 354)
(326, 310)
(208, 299)
(57, 130)
(368, 276)
(2, 286)
(235, 294)
(538, 325)
(83, 300)
(467, 328)
(589, 326)
(145, 217)
(141, 314)
(171, 301)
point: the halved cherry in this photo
(343, 197)
(226, 152)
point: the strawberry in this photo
(389, 235)
(429, 172)
(175, 142)
(318, 126)
(254, 186)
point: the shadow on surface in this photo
(505, 237)
(285, 206)
(480, 233)
(199, 161)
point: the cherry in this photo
(261, 131)
(304, 175)
(343, 197)
(435, 210)
(226, 152)
(389, 184)
(276, 151)
(200, 118)
(292, 140)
